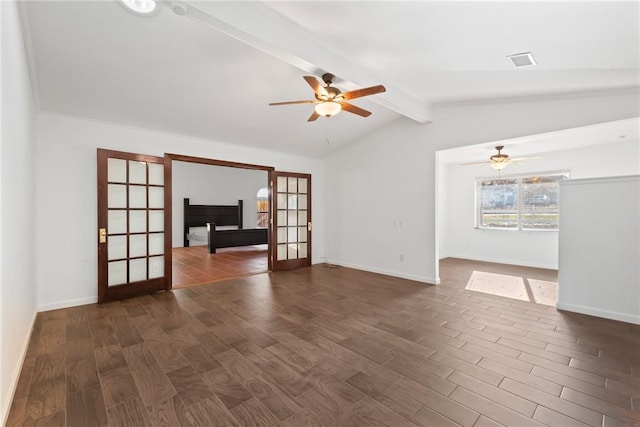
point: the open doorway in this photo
(494, 231)
(506, 217)
(220, 220)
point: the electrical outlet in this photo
(401, 258)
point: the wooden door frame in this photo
(168, 199)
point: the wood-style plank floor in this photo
(195, 265)
(330, 347)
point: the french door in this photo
(132, 226)
(291, 237)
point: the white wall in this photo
(390, 176)
(599, 271)
(17, 223)
(213, 185)
(66, 194)
(442, 205)
(529, 248)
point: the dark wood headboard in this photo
(200, 215)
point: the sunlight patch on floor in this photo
(515, 287)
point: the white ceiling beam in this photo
(258, 25)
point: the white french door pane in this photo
(292, 251)
(137, 269)
(116, 247)
(302, 185)
(282, 235)
(302, 217)
(137, 172)
(292, 218)
(156, 197)
(156, 220)
(282, 200)
(156, 174)
(117, 273)
(292, 234)
(117, 222)
(292, 201)
(156, 267)
(292, 185)
(137, 245)
(282, 184)
(302, 250)
(302, 234)
(116, 196)
(116, 170)
(282, 218)
(282, 252)
(156, 244)
(302, 202)
(137, 196)
(137, 221)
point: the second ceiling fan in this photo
(330, 100)
(501, 160)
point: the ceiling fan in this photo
(330, 100)
(501, 160)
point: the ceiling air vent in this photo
(522, 59)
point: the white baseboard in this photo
(8, 399)
(504, 261)
(613, 315)
(67, 304)
(414, 277)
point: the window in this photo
(262, 207)
(519, 203)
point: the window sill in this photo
(517, 229)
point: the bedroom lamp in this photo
(328, 108)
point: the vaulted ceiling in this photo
(212, 72)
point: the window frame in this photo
(519, 193)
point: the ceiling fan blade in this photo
(522, 159)
(308, 101)
(355, 110)
(476, 163)
(314, 116)
(364, 92)
(315, 85)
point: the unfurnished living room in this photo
(319, 213)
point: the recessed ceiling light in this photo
(141, 7)
(522, 59)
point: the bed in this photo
(223, 224)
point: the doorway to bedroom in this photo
(233, 200)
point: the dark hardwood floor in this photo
(330, 347)
(195, 265)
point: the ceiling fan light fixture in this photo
(329, 100)
(328, 108)
(500, 165)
